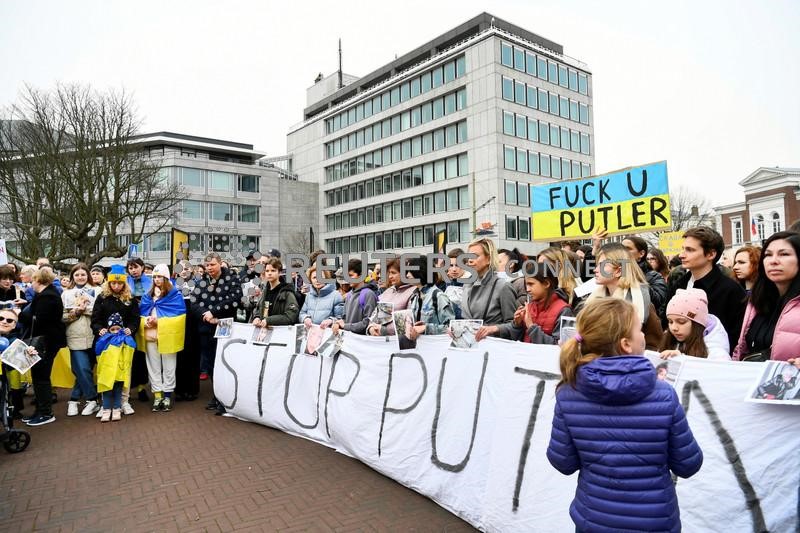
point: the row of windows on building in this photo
(215, 180)
(547, 102)
(432, 79)
(545, 165)
(543, 132)
(458, 231)
(428, 204)
(421, 114)
(518, 228)
(431, 141)
(761, 225)
(523, 60)
(196, 210)
(440, 170)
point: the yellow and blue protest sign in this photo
(671, 243)
(630, 200)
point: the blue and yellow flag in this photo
(115, 356)
(171, 315)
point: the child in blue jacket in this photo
(624, 430)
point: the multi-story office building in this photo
(234, 200)
(447, 137)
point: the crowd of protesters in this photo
(135, 325)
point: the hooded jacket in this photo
(358, 306)
(323, 304)
(284, 311)
(624, 431)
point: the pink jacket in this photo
(785, 342)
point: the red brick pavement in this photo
(189, 470)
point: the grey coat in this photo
(489, 299)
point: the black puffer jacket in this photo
(105, 306)
(42, 317)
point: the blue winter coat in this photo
(624, 430)
(327, 303)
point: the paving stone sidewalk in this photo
(188, 470)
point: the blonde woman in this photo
(78, 304)
(618, 276)
(488, 298)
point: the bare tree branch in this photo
(75, 179)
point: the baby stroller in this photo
(14, 440)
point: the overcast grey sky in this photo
(712, 87)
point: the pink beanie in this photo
(690, 303)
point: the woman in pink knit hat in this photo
(692, 330)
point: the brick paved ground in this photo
(188, 470)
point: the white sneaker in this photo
(72, 408)
(90, 408)
(99, 413)
(127, 409)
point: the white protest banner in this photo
(3, 252)
(469, 428)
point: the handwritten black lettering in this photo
(386, 408)
(458, 467)
(232, 371)
(526, 443)
(343, 393)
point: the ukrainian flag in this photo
(115, 356)
(171, 315)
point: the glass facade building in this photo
(437, 139)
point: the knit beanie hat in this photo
(161, 270)
(690, 303)
(115, 320)
(117, 273)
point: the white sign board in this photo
(469, 428)
(3, 252)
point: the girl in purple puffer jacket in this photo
(624, 430)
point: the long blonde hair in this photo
(602, 324)
(618, 256)
(125, 296)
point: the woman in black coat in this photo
(45, 330)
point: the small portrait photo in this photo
(463, 333)
(383, 313)
(224, 328)
(778, 383)
(261, 336)
(666, 369)
(404, 328)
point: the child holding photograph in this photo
(607, 390)
(692, 330)
(539, 321)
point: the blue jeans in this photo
(114, 395)
(84, 381)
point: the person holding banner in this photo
(399, 294)
(161, 334)
(277, 305)
(539, 321)
(607, 390)
(771, 328)
(488, 298)
(692, 330)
